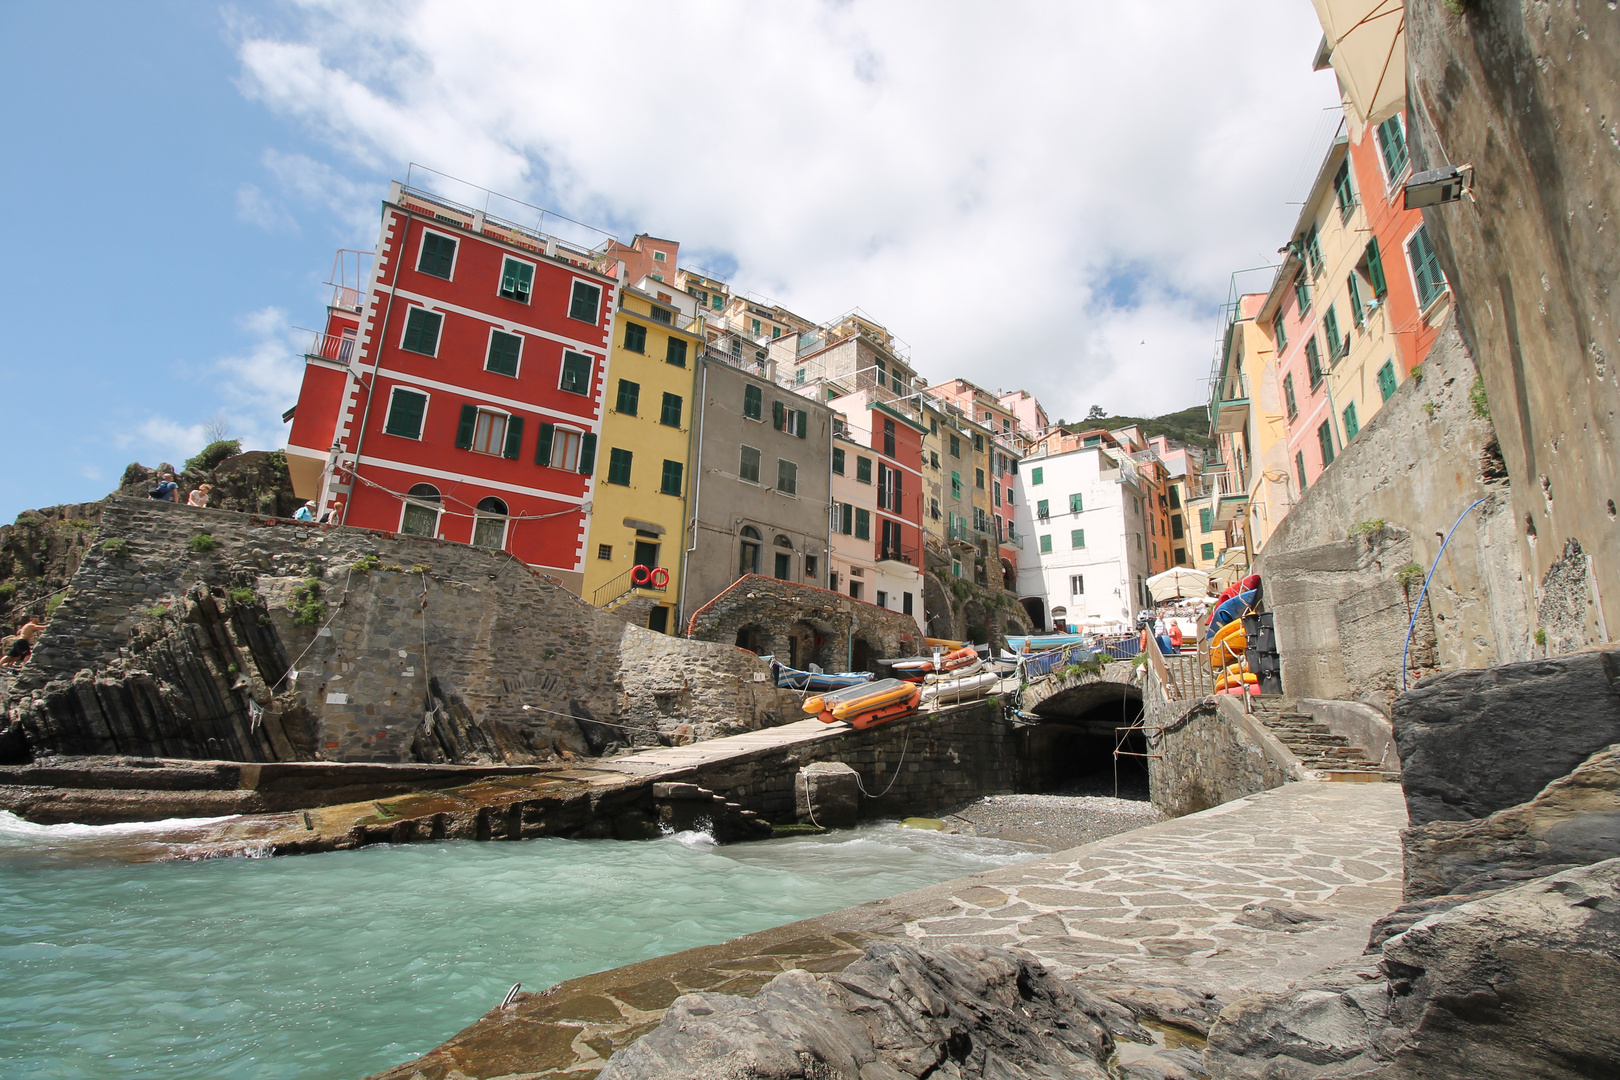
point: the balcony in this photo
(907, 555)
(1013, 540)
(1229, 409)
(334, 348)
(1228, 499)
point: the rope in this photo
(344, 599)
(808, 804)
(903, 747)
(1417, 607)
(443, 498)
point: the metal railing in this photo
(623, 585)
(338, 348)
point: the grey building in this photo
(761, 484)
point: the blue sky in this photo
(180, 175)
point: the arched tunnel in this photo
(1072, 749)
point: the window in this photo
(748, 562)
(422, 331)
(753, 402)
(421, 511)
(843, 518)
(517, 280)
(1351, 424)
(956, 567)
(1007, 493)
(586, 302)
(1206, 520)
(1343, 192)
(670, 414)
(995, 493)
(1206, 552)
(863, 523)
(893, 543)
(1035, 475)
(855, 590)
(489, 524)
(838, 461)
(406, 408)
(717, 301)
(1077, 585)
(1299, 463)
(675, 352)
(978, 479)
(933, 459)
(1077, 538)
(956, 447)
(1277, 332)
(1175, 497)
(880, 373)
(776, 332)
(661, 315)
(1324, 437)
(933, 508)
(1426, 274)
(1041, 510)
(1075, 505)
(863, 469)
(629, 398)
(566, 448)
(748, 467)
(906, 603)
(1046, 544)
(784, 564)
(810, 566)
(635, 337)
(1330, 324)
(787, 477)
(890, 492)
(1392, 146)
(619, 467)
(1176, 528)
(888, 438)
(1288, 396)
(486, 432)
(1302, 293)
(438, 255)
(755, 325)
(1313, 252)
(671, 484)
(1375, 269)
(1357, 316)
(792, 421)
(576, 373)
(1386, 379)
(504, 351)
(1313, 362)
(956, 484)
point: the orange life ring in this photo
(640, 574)
(660, 577)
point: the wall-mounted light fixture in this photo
(1435, 186)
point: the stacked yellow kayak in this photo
(1226, 659)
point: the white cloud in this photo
(971, 175)
(256, 208)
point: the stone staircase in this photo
(1315, 745)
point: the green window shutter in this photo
(464, 431)
(1302, 293)
(670, 416)
(716, 302)
(576, 373)
(672, 478)
(1324, 438)
(504, 350)
(635, 337)
(405, 410)
(675, 353)
(1046, 544)
(804, 422)
(587, 453)
(438, 255)
(1288, 396)
(1074, 504)
(1313, 252)
(1299, 463)
(1313, 363)
(514, 436)
(629, 399)
(1351, 424)
(1207, 551)
(863, 470)
(542, 450)
(863, 523)
(1430, 281)
(585, 303)
(1330, 323)
(1386, 380)
(1206, 520)
(1077, 538)
(619, 462)
(1392, 144)
(1036, 474)
(1278, 333)
(1375, 268)
(1041, 509)
(838, 461)
(753, 401)
(516, 278)
(778, 415)
(1356, 315)
(846, 524)
(422, 331)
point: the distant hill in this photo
(1190, 425)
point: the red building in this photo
(459, 396)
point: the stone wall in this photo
(1528, 92)
(408, 649)
(1206, 753)
(831, 629)
(959, 609)
(1341, 610)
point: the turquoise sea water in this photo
(342, 964)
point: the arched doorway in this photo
(420, 515)
(748, 551)
(489, 524)
(750, 637)
(1035, 608)
(862, 658)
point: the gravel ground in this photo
(1053, 822)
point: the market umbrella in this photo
(1178, 583)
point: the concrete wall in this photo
(1417, 465)
(1363, 726)
(1210, 752)
(1528, 92)
(430, 651)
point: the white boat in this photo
(960, 688)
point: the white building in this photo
(1084, 559)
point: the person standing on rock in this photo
(199, 495)
(23, 644)
(167, 490)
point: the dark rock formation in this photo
(1519, 983)
(254, 483)
(898, 1012)
(1475, 742)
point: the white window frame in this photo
(1412, 275)
(493, 330)
(574, 287)
(405, 328)
(506, 420)
(590, 376)
(1383, 166)
(421, 243)
(533, 268)
(407, 501)
(428, 400)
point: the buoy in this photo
(660, 578)
(640, 574)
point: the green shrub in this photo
(156, 611)
(1478, 399)
(1409, 575)
(55, 601)
(307, 607)
(365, 563)
(8, 589)
(1541, 637)
(203, 543)
(117, 547)
(214, 453)
(1367, 528)
(243, 597)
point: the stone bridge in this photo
(1059, 696)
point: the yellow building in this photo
(643, 471)
(1248, 480)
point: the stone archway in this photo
(1035, 608)
(751, 637)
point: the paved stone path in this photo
(1162, 904)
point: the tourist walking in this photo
(306, 512)
(23, 644)
(199, 495)
(167, 490)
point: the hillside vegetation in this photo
(1190, 425)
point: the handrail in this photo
(621, 586)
